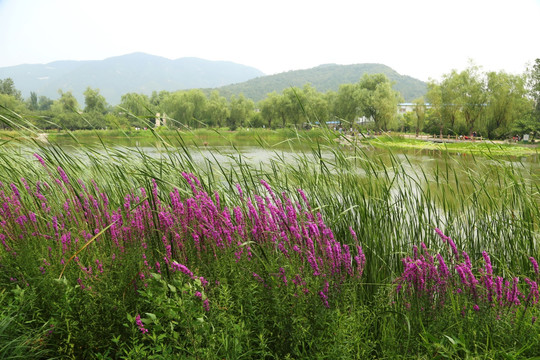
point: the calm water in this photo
(414, 162)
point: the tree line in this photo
(493, 104)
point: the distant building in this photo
(409, 107)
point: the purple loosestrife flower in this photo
(534, 295)
(450, 242)
(140, 324)
(534, 265)
(313, 263)
(260, 279)
(188, 178)
(206, 305)
(467, 260)
(99, 265)
(324, 299)
(155, 191)
(204, 282)
(443, 269)
(360, 260)
(25, 184)
(240, 192)
(40, 159)
(488, 279)
(304, 197)
(283, 276)
(63, 175)
(182, 268)
(515, 294)
(15, 191)
(415, 252)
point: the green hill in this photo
(324, 78)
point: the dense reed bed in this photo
(335, 252)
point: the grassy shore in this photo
(198, 137)
(477, 147)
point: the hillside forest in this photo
(495, 105)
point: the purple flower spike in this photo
(63, 175)
(40, 159)
(534, 264)
(140, 324)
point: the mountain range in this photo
(144, 73)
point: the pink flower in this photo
(534, 264)
(140, 324)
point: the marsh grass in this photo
(390, 202)
(478, 147)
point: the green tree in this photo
(199, 102)
(269, 108)
(66, 103)
(420, 114)
(347, 103)
(94, 101)
(294, 104)
(32, 102)
(506, 103)
(7, 87)
(316, 107)
(137, 109)
(533, 80)
(472, 99)
(444, 99)
(532, 122)
(44, 103)
(241, 109)
(11, 110)
(378, 100)
(156, 99)
(217, 110)
(179, 109)
(66, 112)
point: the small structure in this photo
(161, 120)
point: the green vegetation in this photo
(470, 103)
(491, 105)
(494, 105)
(477, 147)
(199, 137)
(116, 252)
(324, 78)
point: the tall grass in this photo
(390, 202)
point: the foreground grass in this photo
(237, 276)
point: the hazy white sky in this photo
(420, 38)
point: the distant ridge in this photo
(115, 76)
(324, 78)
(144, 73)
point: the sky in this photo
(424, 39)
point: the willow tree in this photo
(506, 102)
(473, 96)
(378, 100)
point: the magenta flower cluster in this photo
(192, 232)
(430, 280)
